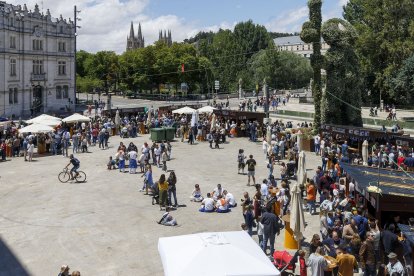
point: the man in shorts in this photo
(76, 165)
(251, 167)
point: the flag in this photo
(182, 67)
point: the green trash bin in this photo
(169, 133)
(157, 134)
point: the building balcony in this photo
(38, 77)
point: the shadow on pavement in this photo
(9, 264)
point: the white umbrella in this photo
(193, 119)
(299, 140)
(36, 128)
(117, 118)
(301, 175)
(213, 122)
(206, 109)
(76, 118)
(214, 254)
(184, 110)
(297, 217)
(365, 153)
(42, 118)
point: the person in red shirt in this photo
(400, 161)
(311, 196)
(302, 263)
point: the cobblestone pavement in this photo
(106, 226)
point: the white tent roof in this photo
(36, 128)
(206, 109)
(214, 254)
(76, 118)
(184, 110)
(45, 119)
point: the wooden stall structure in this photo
(397, 190)
(241, 118)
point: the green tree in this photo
(403, 82)
(311, 33)
(386, 39)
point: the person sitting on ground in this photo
(167, 220)
(218, 191)
(229, 199)
(111, 164)
(76, 273)
(207, 205)
(196, 194)
(221, 205)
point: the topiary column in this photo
(311, 33)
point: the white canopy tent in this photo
(214, 254)
(76, 118)
(206, 109)
(45, 119)
(184, 110)
(36, 128)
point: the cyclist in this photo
(76, 164)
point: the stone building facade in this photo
(295, 45)
(37, 61)
(165, 37)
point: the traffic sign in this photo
(217, 85)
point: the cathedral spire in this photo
(131, 31)
(139, 32)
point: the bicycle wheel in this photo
(64, 177)
(81, 177)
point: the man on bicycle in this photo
(76, 164)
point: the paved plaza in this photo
(106, 226)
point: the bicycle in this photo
(64, 176)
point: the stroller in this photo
(290, 169)
(284, 261)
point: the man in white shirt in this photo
(132, 161)
(264, 189)
(229, 199)
(207, 205)
(218, 191)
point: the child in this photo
(283, 170)
(84, 144)
(111, 164)
(169, 147)
(121, 164)
(240, 161)
(196, 195)
(142, 162)
(302, 263)
(260, 231)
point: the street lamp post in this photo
(75, 13)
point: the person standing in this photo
(251, 168)
(30, 150)
(270, 228)
(317, 262)
(346, 262)
(367, 256)
(25, 144)
(240, 161)
(172, 190)
(311, 196)
(164, 158)
(163, 188)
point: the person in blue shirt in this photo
(76, 165)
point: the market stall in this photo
(395, 194)
(240, 118)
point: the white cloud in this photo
(105, 23)
(289, 21)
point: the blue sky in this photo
(105, 23)
(214, 12)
